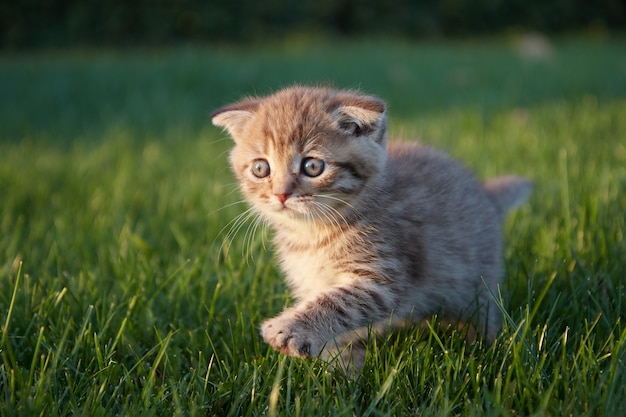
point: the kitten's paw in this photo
(290, 337)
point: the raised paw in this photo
(286, 334)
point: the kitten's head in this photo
(306, 153)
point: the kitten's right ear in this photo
(235, 117)
(360, 115)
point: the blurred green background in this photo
(44, 23)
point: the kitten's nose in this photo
(283, 197)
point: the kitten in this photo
(365, 231)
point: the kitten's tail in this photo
(507, 192)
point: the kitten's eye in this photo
(260, 168)
(312, 167)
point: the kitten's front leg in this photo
(289, 334)
(306, 328)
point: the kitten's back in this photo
(412, 166)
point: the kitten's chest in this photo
(311, 269)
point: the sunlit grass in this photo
(115, 199)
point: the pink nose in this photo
(282, 197)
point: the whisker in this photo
(234, 226)
(249, 239)
(264, 226)
(335, 198)
(226, 206)
(355, 213)
(221, 139)
(233, 189)
(333, 216)
(333, 209)
(232, 186)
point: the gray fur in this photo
(384, 233)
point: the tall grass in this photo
(122, 291)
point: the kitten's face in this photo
(306, 154)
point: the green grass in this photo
(115, 199)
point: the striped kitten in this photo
(365, 231)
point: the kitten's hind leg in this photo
(346, 353)
(481, 321)
(349, 350)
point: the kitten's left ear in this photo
(361, 117)
(235, 117)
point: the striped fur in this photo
(384, 231)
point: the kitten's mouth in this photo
(308, 209)
(287, 207)
(298, 206)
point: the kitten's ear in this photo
(235, 117)
(360, 117)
